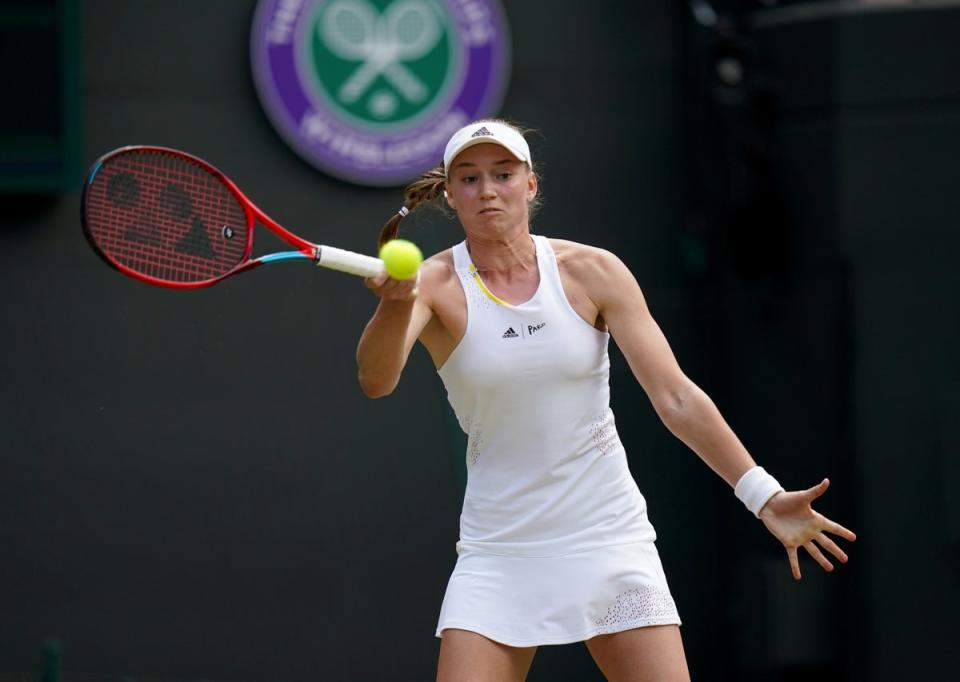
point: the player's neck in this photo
(517, 252)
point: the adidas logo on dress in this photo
(510, 334)
(481, 132)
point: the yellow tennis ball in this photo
(401, 259)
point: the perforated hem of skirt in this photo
(563, 639)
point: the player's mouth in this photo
(490, 211)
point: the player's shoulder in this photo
(438, 279)
(581, 259)
(438, 269)
(439, 263)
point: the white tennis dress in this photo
(555, 545)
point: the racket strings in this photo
(165, 217)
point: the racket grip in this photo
(348, 261)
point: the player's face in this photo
(490, 189)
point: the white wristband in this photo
(756, 487)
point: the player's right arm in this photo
(389, 336)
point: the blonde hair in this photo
(429, 188)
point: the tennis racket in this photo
(169, 219)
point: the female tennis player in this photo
(555, 545)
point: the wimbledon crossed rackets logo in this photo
(370, 90)
(407, 30)
(386, 63)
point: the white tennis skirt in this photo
(530, 601)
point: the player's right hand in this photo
(389, 289)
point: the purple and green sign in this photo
(371, 90)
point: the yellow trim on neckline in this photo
(483, 287)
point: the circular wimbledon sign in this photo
(371, 90)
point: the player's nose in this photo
(487, 188)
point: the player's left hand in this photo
(791, 519)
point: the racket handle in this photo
(348, 261)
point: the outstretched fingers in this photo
(826, 524)
(794, 562)
(792, 520)
(817, 555)
(837, 529)
(831, 547)
(817, 490)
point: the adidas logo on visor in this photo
(510, 334)
(483, 131)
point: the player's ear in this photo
(450, 202)
(532, 186)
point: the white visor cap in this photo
(489, 132)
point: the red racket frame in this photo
(305, 250)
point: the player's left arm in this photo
(684, 408)
(689, 413)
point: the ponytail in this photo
(428, 189)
